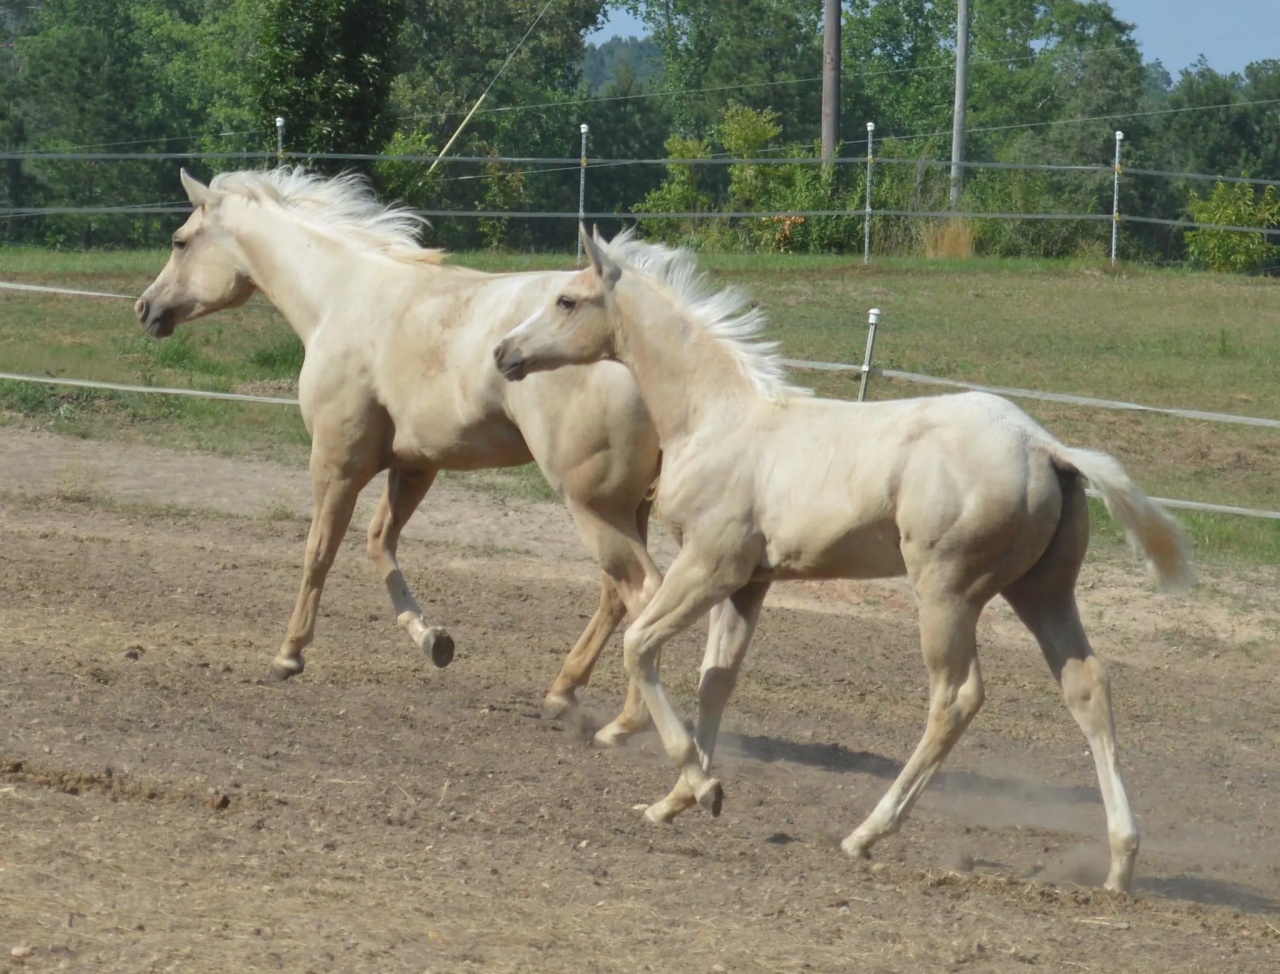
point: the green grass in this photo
(1157, 337)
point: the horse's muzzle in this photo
(509, 360)
(158, 325)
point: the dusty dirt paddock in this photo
(161, 808)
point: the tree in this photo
(638, 59)
(203, 51)
(758, 53)
(327, 66)
(452, 51)
(86, 83)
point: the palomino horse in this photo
(397, 377)
(964, 494)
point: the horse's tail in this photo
(1148, 526)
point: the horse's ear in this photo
(606, 269)
(197, 192)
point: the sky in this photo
(1230, 33)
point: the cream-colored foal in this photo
(965, 495)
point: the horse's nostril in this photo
(141, 308)
(497, 351)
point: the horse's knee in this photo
(638, 653)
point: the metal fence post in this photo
(866, 228)
(279, 140)
(582, 188)
(1115, 200)
(873, 319)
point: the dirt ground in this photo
(162, 808)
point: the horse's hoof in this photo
(856, 847)
(280, 672)
(711, 797)
(558, 705)
(659, 814)
(440, 645)
(610, 736)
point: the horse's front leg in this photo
(336, 488)
(404, 492)
(733, 623)
(691, 587)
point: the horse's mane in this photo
(727, 315)
(342, 205)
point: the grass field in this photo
(1161, 338)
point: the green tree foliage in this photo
(638, 58)
(1050, 82)
(85, 82)
(1235, 204)
(201, 49)
(327, 66)
(759, 53)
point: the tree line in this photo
(1050, 82)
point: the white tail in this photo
(1147, 524)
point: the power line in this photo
(673, 93)
(168, 138)
(1097, 118)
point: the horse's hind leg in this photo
(575, 671)
(615, 541)
(948, 636)
(1045, 600)
(403, 493)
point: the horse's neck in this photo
(298, 269)
(686, 377)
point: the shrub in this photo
(1234, 250)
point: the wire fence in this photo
(871, 206)
(866, 369)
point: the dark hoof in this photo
(440, 645)
(712, 798)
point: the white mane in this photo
(726, 315)
(342, 205)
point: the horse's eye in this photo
(179, 243)
(566, 303)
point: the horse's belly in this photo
(870, 551)
(478, 447)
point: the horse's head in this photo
(575, 328)
(204, 273)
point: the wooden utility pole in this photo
(962, 90)
(831, 10)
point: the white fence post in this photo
(1115, 200)
(279, 140)
(873, 319)
(582, 188)
(866, 229)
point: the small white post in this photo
(1115, 200)
(866, 228)
(582, 189)
(873, 319)
(279, 140)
